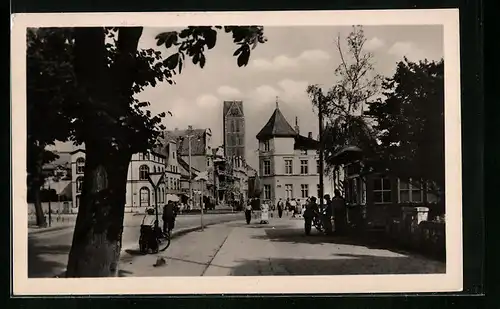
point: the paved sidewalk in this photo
(278, 248)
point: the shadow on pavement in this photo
(39, 266)
(345, 264)
(373, 240)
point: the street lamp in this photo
(155, 179)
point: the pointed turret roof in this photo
(277, 126)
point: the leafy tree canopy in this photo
(59, 108)
(409, 121)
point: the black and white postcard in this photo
(236, 152)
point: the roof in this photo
(303, 142)
(198, 141)
(276, 126)
(185, 167)
(229, 104)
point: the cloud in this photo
(207, 101)
(407, 49)
(374, 44)
(265, 93)
(227, 91)
(315, 55)
(283, 62)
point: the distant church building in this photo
(234, 129)
(288, 161)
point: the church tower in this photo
(234, 129)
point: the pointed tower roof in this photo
(277, 126)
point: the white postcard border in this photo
(448, 282)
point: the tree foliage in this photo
(343, 103)
(410, 121)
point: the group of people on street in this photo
(332, 207)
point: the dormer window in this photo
(303, 152)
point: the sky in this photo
(283, 67)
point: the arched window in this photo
(79, 183)
(144, 196)
(80, 165)
(154, 169)
(143, 172)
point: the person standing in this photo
(293, 207)
(287, 206)
(280, 208)
(309, 213)
(168, 217)
(328, 213)
(340, 213)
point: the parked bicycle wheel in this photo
(164, 241)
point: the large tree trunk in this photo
(96, 246)
(40, 218)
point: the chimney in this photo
(297, 129)
(310, 135)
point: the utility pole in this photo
(321, 160)
(190, 172)
(50, 197)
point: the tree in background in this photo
(343, 103)
(410, 122)
(91, 76)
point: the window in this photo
(304, 191)
(208, 162)
(79, 182)
(382, 190)
(265, 146)
(146, 156)
(144, 196)
(143, 172)
(238, 125)
(304, 167)
(154, 169)
(141, 156)
(233, 125)
(77, 203)
(173, 155)
(267, 167)
(318, 168)
(410, 191)
(267, 192)
(303, 151)
(288, 167)
(80, 165)
(289, 191)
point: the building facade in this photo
(288, 162)
(140, 193)
(233, 129)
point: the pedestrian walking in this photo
(248, 212)
(287, 206)
(340, 213)
(280, 208)
(264, 213)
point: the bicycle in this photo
(153, 238)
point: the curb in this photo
(49, 229)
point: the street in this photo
(278, 248)
(48, 251)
